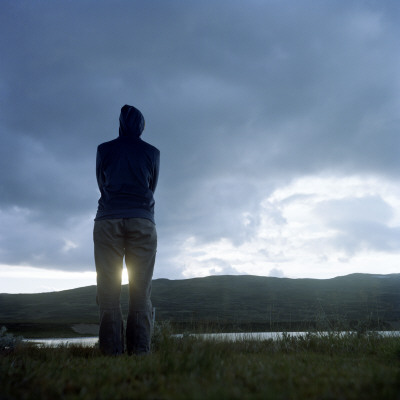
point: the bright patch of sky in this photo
(24, 279)
(317, 226)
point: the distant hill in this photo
(247, 301)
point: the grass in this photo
(363, 366)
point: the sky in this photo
(277, 121)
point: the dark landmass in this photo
(224, 303)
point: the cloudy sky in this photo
(277, 121)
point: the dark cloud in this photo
(367, 236)
(362, 223)
(240, 98)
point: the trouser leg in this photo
(109, 253)
(140, 254)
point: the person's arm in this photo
(156, 168)
(98, 170)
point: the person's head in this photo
(131, 121)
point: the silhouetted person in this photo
(127, 173)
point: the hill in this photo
(231, 302)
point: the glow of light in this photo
(125, 278)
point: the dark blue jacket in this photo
(127, 171)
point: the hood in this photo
(131, 121)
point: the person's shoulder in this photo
(150, 147)
(105, 145)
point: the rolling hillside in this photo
(247, 301)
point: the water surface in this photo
(233, 336)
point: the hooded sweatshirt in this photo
(127, 171)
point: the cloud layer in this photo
(316, 225)
(245, 102)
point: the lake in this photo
(234, 336)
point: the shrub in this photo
(8, 342)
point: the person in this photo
(127, 171)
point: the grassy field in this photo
(364, 366)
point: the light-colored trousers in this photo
(136, 240)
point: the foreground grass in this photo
(311, 367)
